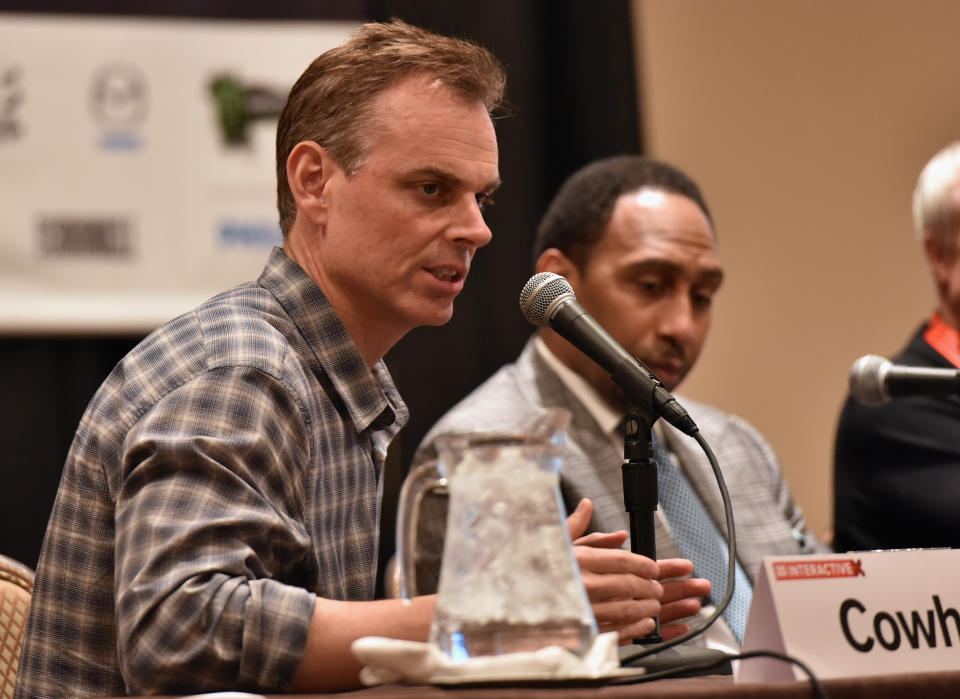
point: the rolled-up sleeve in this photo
(213, 561)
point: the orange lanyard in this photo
(944, 339)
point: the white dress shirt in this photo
(719, 635)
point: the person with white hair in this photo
(897, 466)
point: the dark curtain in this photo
(571, 86)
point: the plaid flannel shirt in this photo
(227, 471)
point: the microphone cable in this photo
(541, 299)
(731, 563)
(719, 608)
(816, 685)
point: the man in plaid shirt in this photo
(216, 523)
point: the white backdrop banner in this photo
(137, 171)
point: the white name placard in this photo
(865, 613)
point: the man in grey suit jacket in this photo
(635, 239)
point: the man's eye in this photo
(484, 201)
(430, 189)
(650, 286)
(702, 301)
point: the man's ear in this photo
(939, 258)
(552, 260)
(309, 168)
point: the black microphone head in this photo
(867, 376)
(540, 296)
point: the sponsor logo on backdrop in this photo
(11, 97)
(119, 105)
(249, 234)
(238, 105)
(85, 236)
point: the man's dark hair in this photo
(582, 208)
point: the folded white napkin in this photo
(390, 660)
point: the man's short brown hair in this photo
(331, 102)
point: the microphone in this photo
(875, 381)
(547, 299)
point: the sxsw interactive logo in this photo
(806, 569)
(11, 97)
(118, 103)
(239, 105)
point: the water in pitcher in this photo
(508, 581)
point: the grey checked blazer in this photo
(767, 520)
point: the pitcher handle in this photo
(423, 478)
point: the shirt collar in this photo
(943, 338)
(606, 417)
(366, 392)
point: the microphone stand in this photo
(640, 494)
(641, 498)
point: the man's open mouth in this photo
(445, 274)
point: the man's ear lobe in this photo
(309, 168)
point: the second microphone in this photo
(547, 299)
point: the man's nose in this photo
(677, 319)
(470, 229)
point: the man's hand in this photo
(681, 595)
(624, 588)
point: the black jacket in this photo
(897, 468)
